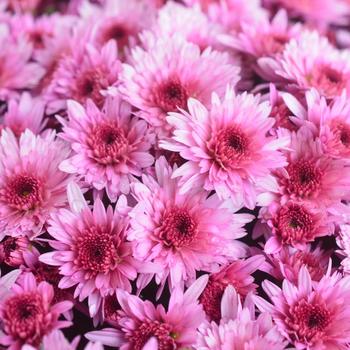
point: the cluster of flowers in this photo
(175, 174)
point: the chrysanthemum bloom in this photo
(91, 249)
(265, 41)
(311, 315)
(12, 249)
(31, 185)
(288, 262)
(237, 274)
(84, 73)
(183, 233)
(27, 113)
(311, 62)
(17, 72)
(239, 328)
(110, 145)
(112, 21)
(139, 321)
(296, 224)
(191, 23)
(161, 79)
(311, 175)
(227, 148)
(28, 314)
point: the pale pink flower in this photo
(28, 313)
(162, 78)
(311, 315)
(110, 146)
(83, 73)
(91, 248)
(239, 328)
(27, 113)
(183, 233)
(12, 250)
(237, 274)
(139, 321)
(31, 185)
(227, 147)
(311, 62)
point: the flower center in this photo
(24, 318)
(229, 147)
(309, 320)
(294, 224)
(162, 331)
(95, 251)
(23, 192)
(108, 144)
(304, 178)
(178, 228)
(171, 95)
(116, 31)
(211, 299)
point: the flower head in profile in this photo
(28, 313)
(239, 328)
(161, 78)
(227, 147)
(183, 233)
(31, 185)
(311, 315)
(110, 146)
(90, 248)
(141, 321)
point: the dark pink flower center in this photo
(108, 144)
(211, 299)
(229, 147)
(171, 95)
(341, 132)
(24, 318)
(95, 251)
(24, 192)
(305, 178)
(178, 228)
(116, 31)
(309, 320)
(162, 331)
(294, 224)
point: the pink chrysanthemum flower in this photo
(84, 73)
(31, 185)
(113, 21)
(288, 262)
(183, 233)
(139, 321)
(110, 147)
(311, 315)
(91, 248)
(191, 23)
(12, 250)
(162, 78)
(311, 175)
(27, 113)
(237, 274)
(311, 62)
(239, 328)
(28, 314)
(227, 148)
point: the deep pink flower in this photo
(239, 328)
(28, 313)
(161, 78)
(139, 321)
(12, 250)
(91, 250)
(31, 185)
(183, 233)
(227, 147)
(110, 146)
(311, 315)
